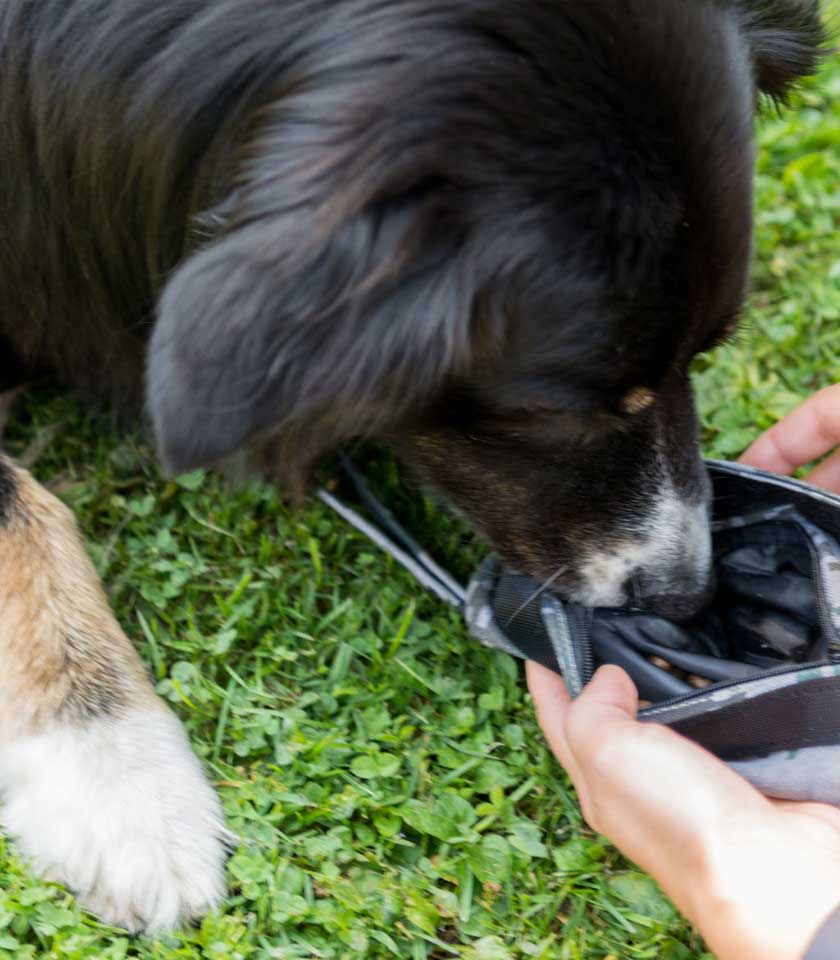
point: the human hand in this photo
(757, 877)
(805, 434)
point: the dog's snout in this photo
(679, 582)
(678, 599)
(667, 571)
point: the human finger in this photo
(551, 702)
(806, 433)
(608, 701)
(827, 474)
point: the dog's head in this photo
(495, 234)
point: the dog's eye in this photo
(637, 400)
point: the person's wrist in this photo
(748, 910)
(735, 930)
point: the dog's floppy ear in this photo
(315, 325)
(787, 40)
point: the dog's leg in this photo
(99, 786)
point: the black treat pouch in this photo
(755, 678)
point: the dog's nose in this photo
(677, 599)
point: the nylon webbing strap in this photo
(518, 615)
(389, 535)
(534, 625)
(799, 715)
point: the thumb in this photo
(607, 705)
(611, 694)
(610, 698)
(551, 702)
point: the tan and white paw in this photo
(120, 811)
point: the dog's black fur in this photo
(473, 228)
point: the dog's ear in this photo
(314, 325)
(787, 40)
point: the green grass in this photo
(385, 773)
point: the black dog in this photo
(491, 232)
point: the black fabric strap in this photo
(517, 608)
(798, 716)
(516, 605)
(826, 944)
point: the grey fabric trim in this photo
(812, 773)
(717, 696)
(557, 627)
(427, 573)
(478, 612)
(787, 484)
(826, 944)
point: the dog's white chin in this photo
(673, 555)
(119, 810)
